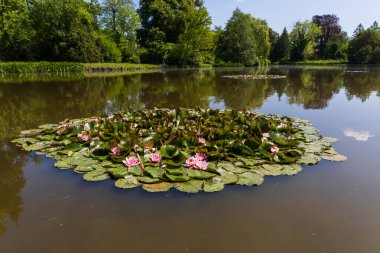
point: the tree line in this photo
(174, 32)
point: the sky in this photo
(284, 13)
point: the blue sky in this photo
(281, 13)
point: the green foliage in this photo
(176, 32)
(121, 22)
(281, 48)
(364, 48)
(303, 41)
(238, 147)
(64, 31)
(109, 50)
(15, 30)
(245, 40)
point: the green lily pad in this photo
(97, 175)
(213, 186)
(31, 132)
(148, 180)
(309, 159)
(136, 171)
(118, 172)
(199, 174)
(177, 178)
(159, 187)
(82, 169)
(155, 172)
(192, 186)
(250, 179)
(63, 164)
(128, 182)
(335, 158)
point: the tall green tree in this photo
(303, 40)
(196, 39)
(64, 31)
(15, 30)
(281, 48)
(121, 22)
(245, 40)
(168, 24)
(364, 48)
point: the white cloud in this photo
(357, 135)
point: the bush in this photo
(110, 51)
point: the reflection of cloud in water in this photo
(357, 135)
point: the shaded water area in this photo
(330, 207)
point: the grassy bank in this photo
(70, 67)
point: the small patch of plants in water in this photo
(254, 77)
(189, 150)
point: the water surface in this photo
(330, 207)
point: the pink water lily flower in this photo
(116, 151)
(131, 161)
(200, 157)
(84, 137)
(266, 135)
(274, 149)
(191, 162)
(156, 158)
(201, 165)
(202, 140)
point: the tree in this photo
(15, 30)
(364, 48)
(121, 21)
(358, 29)
(174, 31)
(273, 38)
(303, 40)
(281, 48)
(331, 34)
(375, 26)
(64, 31)
(245, 40)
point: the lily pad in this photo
(63, 164)
(159, 187)
(118, 172)
(210, 186)
(97, 175)
(250, 179)
(335, 158)
(128, 182)
(192, 186)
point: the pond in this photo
(330, 207)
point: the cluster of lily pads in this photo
(189, 150)
(255, 77)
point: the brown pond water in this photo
(331, 207)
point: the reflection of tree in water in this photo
(11, 183)
(178, 89)
(28, 104)
(313, 88)
(362, 85)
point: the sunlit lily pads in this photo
(188, 150)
